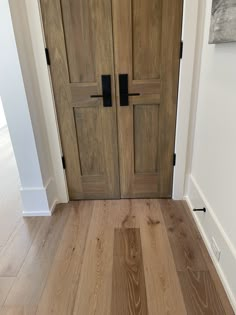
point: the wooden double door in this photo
(114, 68)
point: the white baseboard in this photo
(36, 213)
(209, 226)
(41, 213)
(39, 201)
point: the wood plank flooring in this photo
(128, 280)
(118, 257)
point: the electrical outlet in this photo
(215, 248)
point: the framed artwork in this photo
(223, 22)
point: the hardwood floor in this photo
(119, 257)
(128, 280)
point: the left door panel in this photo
(79, 38)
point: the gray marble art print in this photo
(223, 21)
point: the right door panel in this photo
(147, 37)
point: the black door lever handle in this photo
(95, 96)
(124, 93)
(134, 94)
(106, 91)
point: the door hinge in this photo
(63, 162)
(47, 56)
(181, 50)
(174, 159)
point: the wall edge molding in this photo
(53, 206)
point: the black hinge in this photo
(181, 50)
(174, 159)
(47, 56)
(63, 162)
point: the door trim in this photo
(187, 96)
(185, 99)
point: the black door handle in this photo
(124, 90)
(106, 91)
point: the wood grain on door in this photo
(147, 42)
(79, 37)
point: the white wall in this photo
(15, 102)
(3, 121)
(212, 168)
(36, 192)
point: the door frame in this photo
(184, 105)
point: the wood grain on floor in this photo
(5, 286)
(128, 280)
(113, 257)
(62, 284)
(94, 290)
(200, 294)
(14, 252)
(18, 310)
(183, 243)
(163, 288)
(31, 279)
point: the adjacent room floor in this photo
(10, 200)
(110, 258)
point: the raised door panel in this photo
(146, 25)
(79, 37)
(147, 42)
(79, 32)
(89, 135)
(146, 138)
